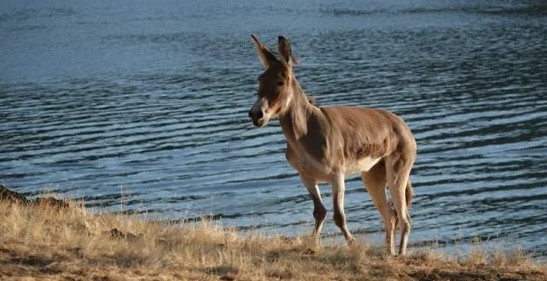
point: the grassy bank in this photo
(52, 242)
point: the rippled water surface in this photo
(141, 106)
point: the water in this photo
(141, 106)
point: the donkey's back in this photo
(370, 131)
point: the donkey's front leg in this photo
(319, 210)
(338, 190)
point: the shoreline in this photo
(54, 241)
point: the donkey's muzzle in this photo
(258, 117)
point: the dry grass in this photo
(44, 243)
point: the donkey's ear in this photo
(266, 56)
(284, 48)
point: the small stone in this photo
(228, 277)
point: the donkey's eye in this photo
(281, 83)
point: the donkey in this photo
(326, 144)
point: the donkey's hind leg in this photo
(398, 173)
(375, 183)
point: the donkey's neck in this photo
(294, 121)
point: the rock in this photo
(115, 233)
(227, 273)
(118, 234)
(12, 196)
(51, 202)
(228, 277)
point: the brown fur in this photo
(326, 144)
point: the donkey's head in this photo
(275, 90)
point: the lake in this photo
(141, 107)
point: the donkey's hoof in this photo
(352, 241)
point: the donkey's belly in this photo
(360, 165)
(307, 165)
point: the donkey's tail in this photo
(409, 193)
